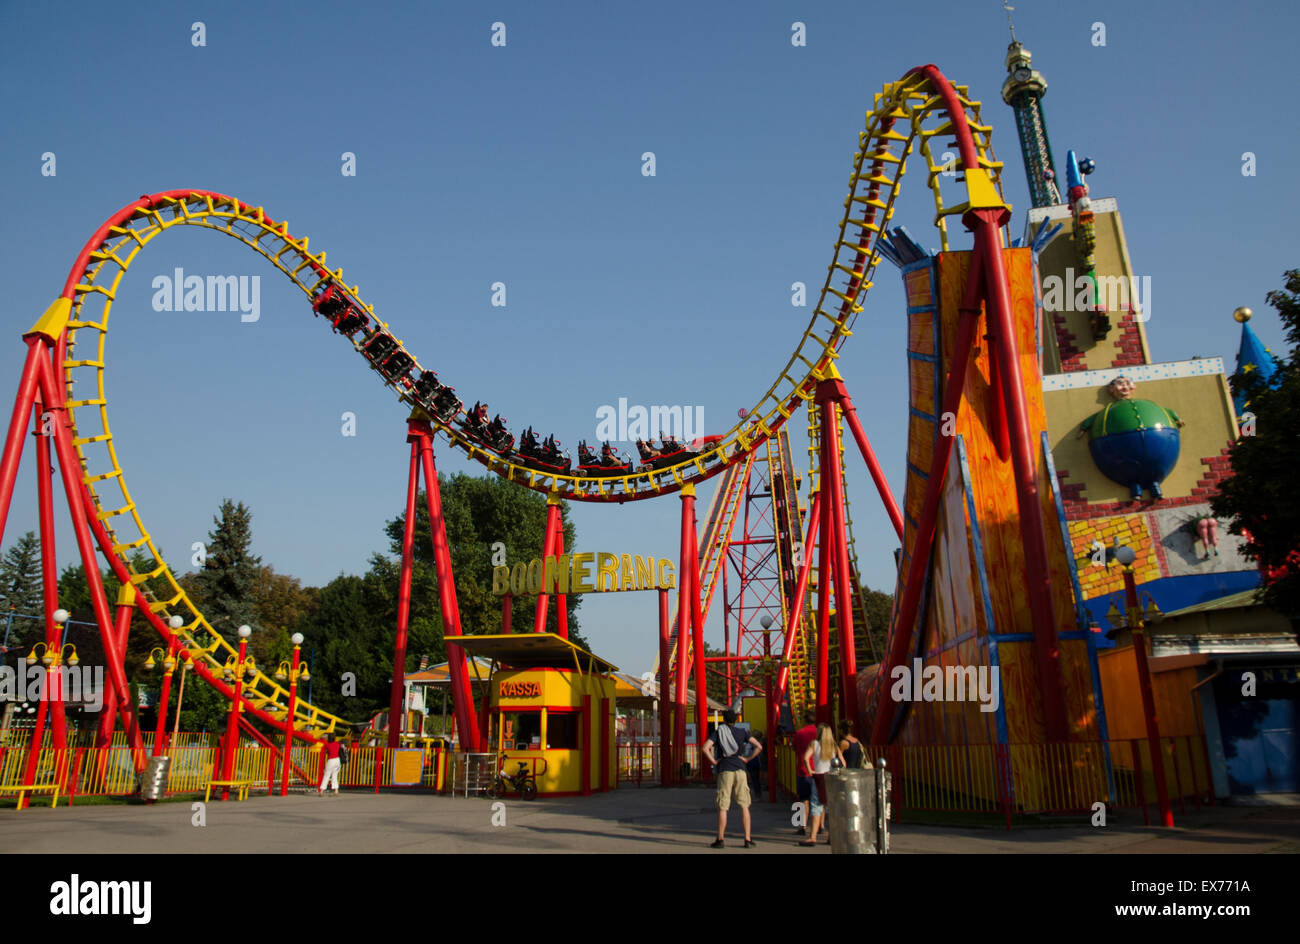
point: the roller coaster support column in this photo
(684, 613)
(462, 702)
(23, 404)
(561, 600)
(665, 716)
(697, 644)
(397, 700)
(796, 611)
(553, 527)
(49, 574)
(830, 395)
(824, 571)
(121, 631)
(52, 393)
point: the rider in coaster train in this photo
(607, 455)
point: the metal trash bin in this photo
(857, 810)
(153, 779)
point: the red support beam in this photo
(462, 698)
(684, 611)
(553, 526)
(665, 719)
(561, 599)
(397, 698)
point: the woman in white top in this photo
(819, 758)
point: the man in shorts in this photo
(803, 776)
(725, 751)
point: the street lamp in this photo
(293, 673)
(169, 659)
(234, 670)
(1135, 617)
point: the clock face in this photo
(1021, 74)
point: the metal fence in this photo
(1011, 779)
(113, 771)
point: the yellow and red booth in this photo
(550, 704)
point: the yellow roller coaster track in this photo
(916, 104)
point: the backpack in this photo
(727, 741)
(343, 754)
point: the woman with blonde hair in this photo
(818, 758)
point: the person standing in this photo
(724, 749)
(803, 738)
(331, 748)
(818, 758)
(850, 747)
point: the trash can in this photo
(153, 782)
(857, 810)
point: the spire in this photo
(1252, 358)
(1023, 89)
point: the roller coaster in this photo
(916, 113)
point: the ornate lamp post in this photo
(169, 666)
(234, 671)
(51, 659)
(293, 674)
(1135, 618)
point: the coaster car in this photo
(545, 456)
(342, 313)
(608, 463)
(671, 452)
(386, 356)
(436, 397)
(493, 435)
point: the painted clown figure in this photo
(1134, 442)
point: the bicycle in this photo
(521, 781)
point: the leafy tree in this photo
(225, 589)
(20, 590)
(880, 607)
(1258, 496)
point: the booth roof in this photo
(533, 651)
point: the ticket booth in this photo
(550, 703)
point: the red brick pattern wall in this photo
(1071, 356)
(1129, 345)
(1077, 506)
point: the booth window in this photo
(562, 731)
(521, 727)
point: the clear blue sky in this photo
(521, 164)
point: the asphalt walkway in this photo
(646, 820)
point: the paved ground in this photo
(629, 820)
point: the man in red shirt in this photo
(803, 776)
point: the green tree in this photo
(225, 589)
(20, 591)
(879, 606)
(1258, 496)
